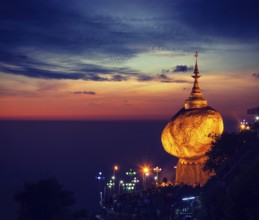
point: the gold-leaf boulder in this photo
(189, 134)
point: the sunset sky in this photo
(118, 59)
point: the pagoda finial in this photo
(196, 56)
(196, 70)
(195, 100)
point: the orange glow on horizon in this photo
(43, 100)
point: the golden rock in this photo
(189, 135)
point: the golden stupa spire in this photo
(196, 70)
(195, 100)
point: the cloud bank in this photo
(36, 33)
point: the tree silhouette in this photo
(225, 148)
(44, 200)
(233, 192)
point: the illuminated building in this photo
(132, 181)
(189, 135)
(157, 170)
(244, 126)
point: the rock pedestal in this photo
(191, 174)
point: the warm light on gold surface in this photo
(190, 133)
(189, 136)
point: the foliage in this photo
(233, 192)
(241, 200)
(44, 200)
(225, 148)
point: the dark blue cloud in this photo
(49, 74)
(255, 75)
(160, 78)
(89, 72)
(39, 73)
(182, 68)
(21, 64)
(84, 92)
(164, 78)
(143, 78)
(118, 77)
